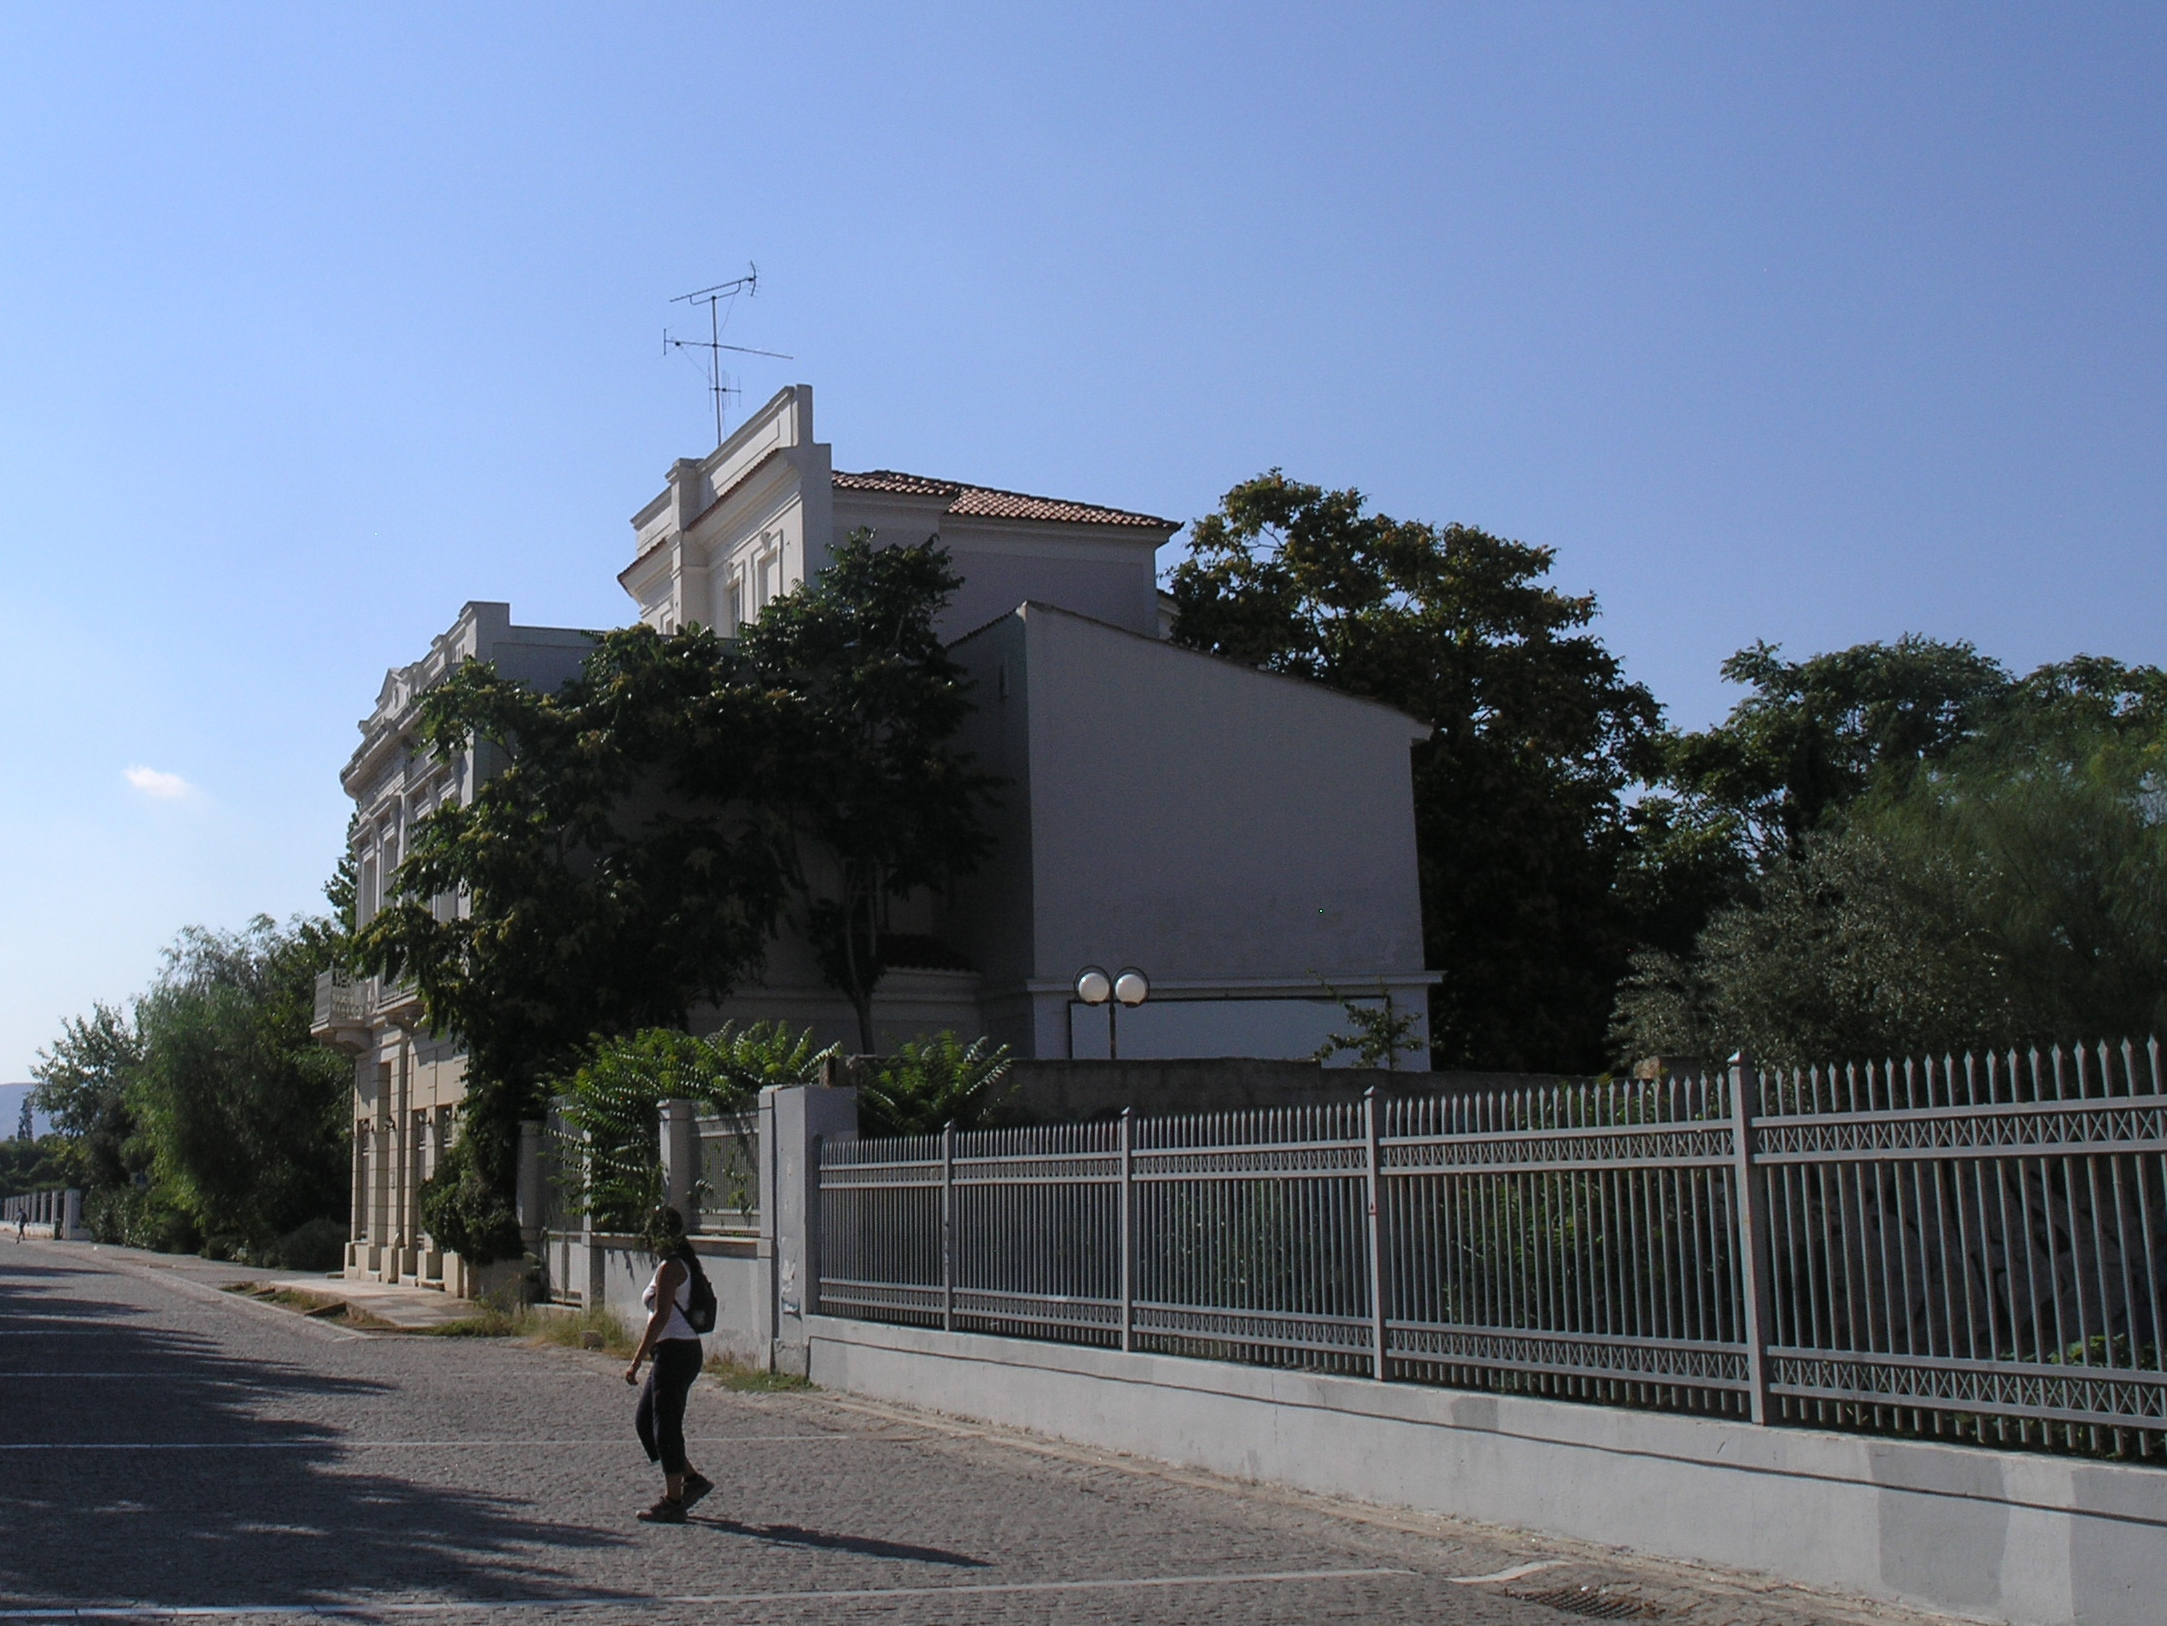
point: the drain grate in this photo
(1591, 1603)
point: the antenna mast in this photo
(716, 299)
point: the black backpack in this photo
(700, 1312)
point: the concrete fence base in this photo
(1992, 1535)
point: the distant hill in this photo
(11, 1110)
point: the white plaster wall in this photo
(734, 1269)
(1230, 832)
(988, 917)
(1203, 820)
(1113, 581)
(1217, 826)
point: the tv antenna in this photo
(718, 300)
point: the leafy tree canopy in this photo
(879, 801)
(82, 1085)
(1520, 825)
(929, 1083)
(202, 1110)
(42, 1164)
(1812, 736)
(246, 1119)
(2009, 888)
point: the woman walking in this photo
(675, 1347)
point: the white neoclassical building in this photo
(1245, 839)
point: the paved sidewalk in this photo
(405, 1309)
(165, 1445)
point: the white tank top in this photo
(677, 1326)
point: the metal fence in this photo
(725, 1196)
(1973, 1248)
(724, 1187)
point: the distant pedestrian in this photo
(675, 1346)
(22, 1224)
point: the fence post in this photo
(948, 1227)
(1373, 1170)
(1752, 1231)
(795, 1125)
(680, 1136)
(528, 1198)
(1128, 1227)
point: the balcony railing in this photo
(346, 1005)
(341, 1000)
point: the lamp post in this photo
(1127, 986)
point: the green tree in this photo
(1378, 1031)
(82, 1085)
(621, 865)
(879, 801)
(1521, 828)
(40, 1164)
(2015, 890)
(1814, 735)
(643, 829)
(245, 1119)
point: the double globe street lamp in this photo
(1127, 986)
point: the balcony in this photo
(396, 1002)
(349, 1009)
(341, 1017)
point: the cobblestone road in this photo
(167, 1447)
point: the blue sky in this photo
(1814, 323)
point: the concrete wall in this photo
(735, 1269)
(1989, 1535)
(909, 1004)
(1075, 1091)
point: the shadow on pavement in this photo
(791, 1535)
(260, 1510)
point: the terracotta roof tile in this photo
(986, 502)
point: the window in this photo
(758, 581)
(770, 570)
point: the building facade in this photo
(1246, 840)
(408, 1082)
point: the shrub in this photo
(462, 1212)
(320, 1244)
(613, 1102)
(140, 1217)
(929, 1083)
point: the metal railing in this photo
(344, 1000)
(1973, 1248)
(340, 999)
(727, 1193)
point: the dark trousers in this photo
(661, 1417)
